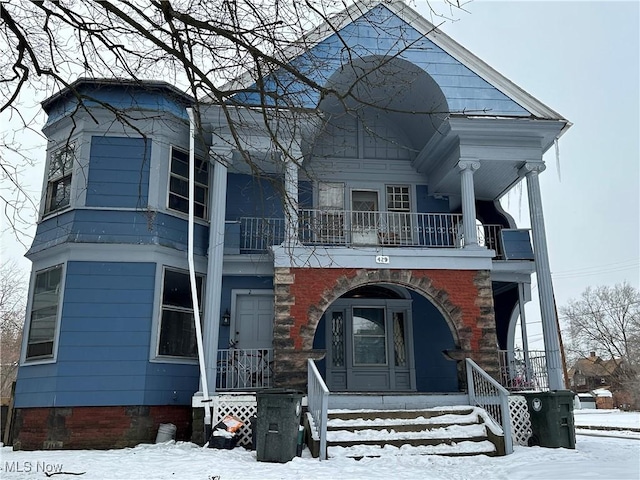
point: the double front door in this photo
(369, 346)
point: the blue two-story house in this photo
(360, 228)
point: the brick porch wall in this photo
(464, 297)
(96, 427)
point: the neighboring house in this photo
(389, 262)
(593, 374)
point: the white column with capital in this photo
(467, 168)
(220, 159)
(293, 159)
(543, 273)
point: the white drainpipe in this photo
(192, 278)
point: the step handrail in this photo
(485, 392)
(318, 404)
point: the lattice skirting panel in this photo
(242, 406)
(520, 420)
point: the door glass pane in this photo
(337, 339)
(369, 339)
(399, 346)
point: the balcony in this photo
(343, 228)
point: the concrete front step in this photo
(458, 450)
(442, 431)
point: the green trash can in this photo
(552, 422)
(279, 413)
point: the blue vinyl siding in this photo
(104, 344)
(168, 383)
(121, 227)
(118, 172)
(248, 196)
(380, 32)
(426, 203)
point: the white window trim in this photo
(154, 356)
(72, 145)
(205, 219)
(27, 327)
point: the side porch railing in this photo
(244, 369)
(487, 393)
(520, 370)
(318, 404)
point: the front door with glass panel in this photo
(364, 217)
(369, 346)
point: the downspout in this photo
(192, 279)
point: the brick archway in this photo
(464, 297)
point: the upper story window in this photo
(179, 183)
(59, 179)
(398, 199)
(44, 313)
(177, 325)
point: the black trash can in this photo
(552, 421)
(277, 427)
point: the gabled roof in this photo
(594, 366)
(376, 27)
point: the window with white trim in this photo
(59, 179)
(177, 325)
(44, 313)
(179, 183)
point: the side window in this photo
(179, 183)
(177, 325)
(59, 179)
(44, 313)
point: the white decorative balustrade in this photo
(355, 228)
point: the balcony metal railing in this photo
(257, 234)
(354, 228)
(244, 369)
(521, 370)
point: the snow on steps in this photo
(453, 431)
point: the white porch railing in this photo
(345, 227)
(318, 404)
(353, 228)
(521, 370)
(257, 234)
(244, 369)
(488, 394)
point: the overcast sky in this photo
(582, 60)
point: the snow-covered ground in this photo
(594, 458)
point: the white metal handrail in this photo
(244, 369)
(318, 404)
(488, 394)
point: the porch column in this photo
(543, 274)
(221, 159)
(293, 159)
(467, 168)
